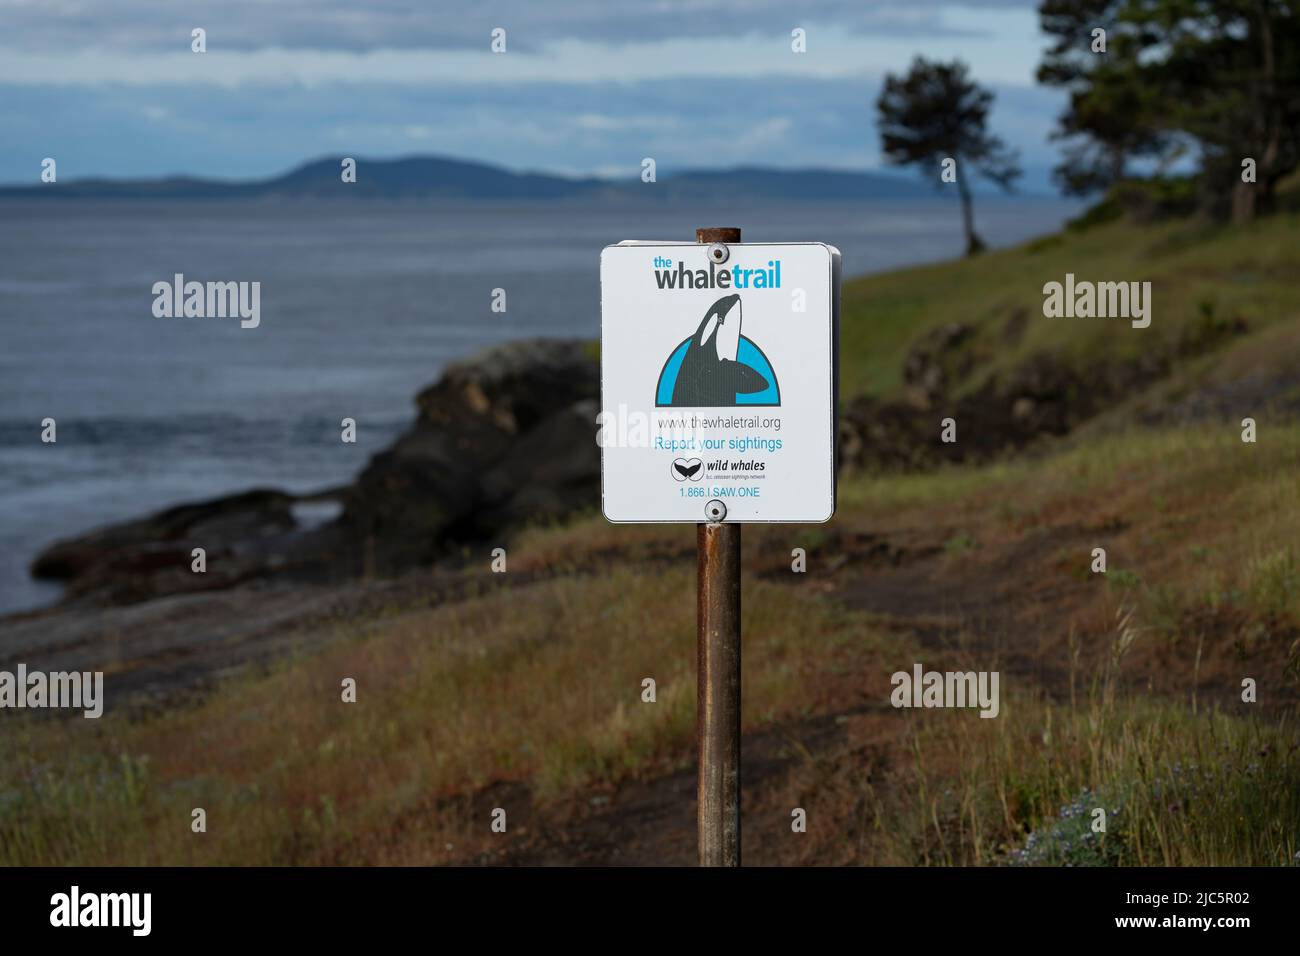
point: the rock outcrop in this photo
(503, 438)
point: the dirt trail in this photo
(1008, 605)
(822, 764)
(652, 822)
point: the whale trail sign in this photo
(718, 381)
(718, 397)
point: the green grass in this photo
(1245, 272)
(1176, 788)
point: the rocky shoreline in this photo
(504, 437)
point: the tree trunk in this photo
(1117, 164)
(1250, 199)
(1243, 202)
(974, 245)
(1268, 162)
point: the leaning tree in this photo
(936, 112)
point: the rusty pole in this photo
(717, 718)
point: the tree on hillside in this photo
(935, 113)
(1222, 75)
(1112, 118)
(1233, 69)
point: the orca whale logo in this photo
(717, 366)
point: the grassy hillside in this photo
(1120, 690)
(1203, 278)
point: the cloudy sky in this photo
(111, 88)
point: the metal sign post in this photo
(717, 383)
(717, 717)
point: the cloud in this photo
(147, 25)
(1007, 52)
(604, 122)
(587, 85)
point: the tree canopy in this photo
(1216, 79)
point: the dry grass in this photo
(1193, 520)
(539, 684)
(538, 687)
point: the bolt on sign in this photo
(718, 381)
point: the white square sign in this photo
(718, 382)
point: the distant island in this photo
(441, 178)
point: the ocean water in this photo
(361, 306)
